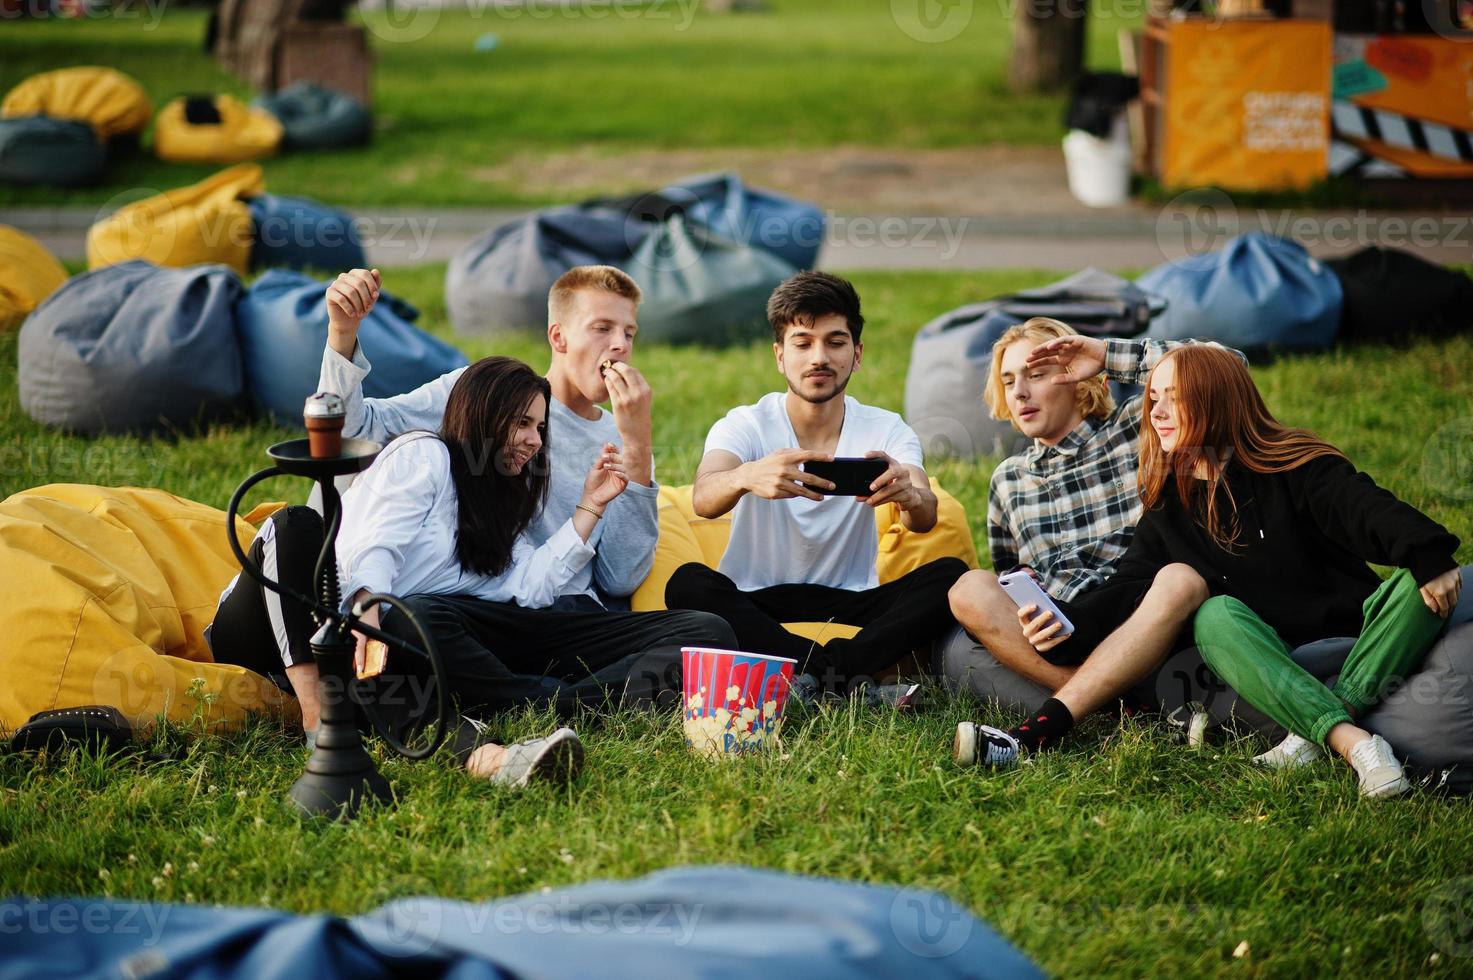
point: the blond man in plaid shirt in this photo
(1065, 509)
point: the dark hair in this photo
(487, 402)
(810, 295)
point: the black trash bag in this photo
(1391, 295)
(1097, 99)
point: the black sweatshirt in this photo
(1304, 538)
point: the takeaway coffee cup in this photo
(323, 415)
(733, 701)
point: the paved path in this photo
(1136, 237)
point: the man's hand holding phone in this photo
(779, 475)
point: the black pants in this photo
(244, 629)
(894, 619)
(499, 655)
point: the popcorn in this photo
(746, 717)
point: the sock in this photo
(1051, 722)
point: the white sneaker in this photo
(1291, 753)
(1380, 774)
(556, 758)
(984, 745)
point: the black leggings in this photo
(894, 619)
(254, 627)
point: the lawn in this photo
(659, 75)
(1122, 854)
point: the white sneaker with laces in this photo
(1380, 774)
(1291, 753)
(556, 758)
(984, 745)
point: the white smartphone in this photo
(1024, 590)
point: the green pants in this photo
(1254, 660)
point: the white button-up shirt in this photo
(399, 528)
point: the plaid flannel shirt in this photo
(1068, 511)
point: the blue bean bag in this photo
(43, 150)
(791, 230)
(302, 234)
(499, 282)
(134, 347)
(680, 922)
(1259, 291)
(316, 118)
(282, 321)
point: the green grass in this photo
(809, 74)
(1123, 854)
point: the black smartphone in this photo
(850, 475)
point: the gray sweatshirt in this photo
(625, 538)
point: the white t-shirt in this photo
(799, 541)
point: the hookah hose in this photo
(324, 576)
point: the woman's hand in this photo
(350, 298)
(1441, 594)
(1040, 629)
(606, 480)
(1080, 357)
(371, 617)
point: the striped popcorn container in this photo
(733, 701)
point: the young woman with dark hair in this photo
(1281, 526)
(445, 515)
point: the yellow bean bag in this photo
(686, 537)
(112, 103)
(28, 274)
(204, 222)
(242, 133)
(106, 596)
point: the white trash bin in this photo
(1099, 169)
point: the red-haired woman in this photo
(1280, 525)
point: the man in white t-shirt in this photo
(796, 555)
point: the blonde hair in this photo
(564, 292)
(1091, 396)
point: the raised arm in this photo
(350, 298)
(1126, 361)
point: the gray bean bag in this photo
(315, 118)
(43, 150)
(134, 348)
(1428, 719)
(700, 288)
(951, 356)
(499, 283)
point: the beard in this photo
(838, 390)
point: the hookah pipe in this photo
(340, 776)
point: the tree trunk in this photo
(1048, 45)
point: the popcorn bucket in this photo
(733, 701)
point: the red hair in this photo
(1221, 418)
